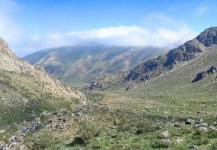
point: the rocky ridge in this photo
(169, 61)
(174, 59)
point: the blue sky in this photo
(31, 25)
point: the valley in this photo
(156, 104)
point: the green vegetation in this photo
(23, 99)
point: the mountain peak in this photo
(4, 48)
(208, 36)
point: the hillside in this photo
(27, 90)
(84, 63)
(164, 64)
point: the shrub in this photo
(212, 134)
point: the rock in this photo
(179, 141)
(202, 125)
(13, 138)
(203, 129)
(193, 147)
(1, 147)
(78, 114)
(190, 121)
(199, 76)
(177, 125)
(12, 145)
(128, 88)
(212, 70)
(199, 121)
(2, 131)
(38, 121)
(212, 128)
(164, 135)
(203, 74)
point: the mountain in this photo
(184, 53)
(85, 62)
(176, 59)
(27, 90)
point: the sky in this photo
(32, 25)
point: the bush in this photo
(212, 134)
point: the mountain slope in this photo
(173, 60)
(184, 53)
(26, 90)
(83, 63)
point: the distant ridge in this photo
(83, 63)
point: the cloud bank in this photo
(24, 42)
(120, 35)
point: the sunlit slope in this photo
(26, 90)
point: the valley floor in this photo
(113, 121)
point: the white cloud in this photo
(121, 35)
(24, 42)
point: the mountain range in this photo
(81, 64)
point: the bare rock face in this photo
(208, 37)
(203, 74)
(9, 62)
(161, 64)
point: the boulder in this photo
(177, 125)
(212, 128)
(164, 135)
(201, 125)
(212, 70)
(199, 76)
(203, 129)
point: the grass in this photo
(22, 98)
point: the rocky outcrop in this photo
(156, 66)
(203, 74)
(208, 37)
